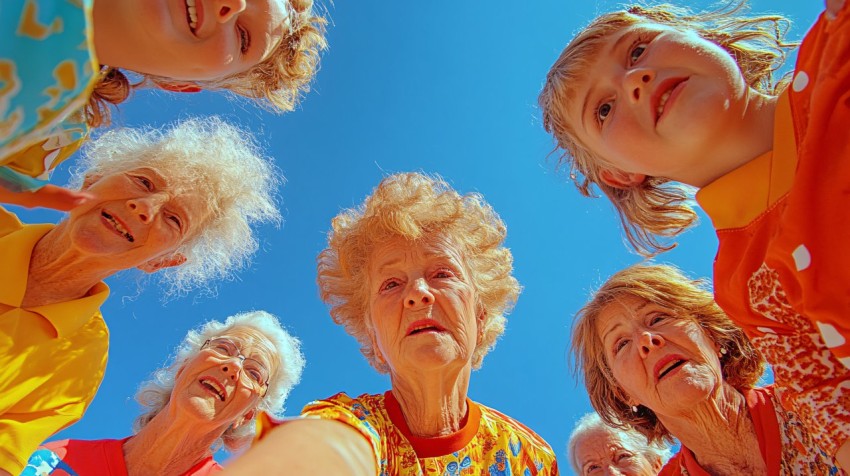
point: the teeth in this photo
(213, 385)
(117, 225)
(193, 14)
(661, 102)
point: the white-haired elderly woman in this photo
(420, 276)
(597, 449)
(183, 201)
(222, 374)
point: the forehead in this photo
(622, 309)
(400, 251)
(252, 342)
(276, 25)
(596, 443)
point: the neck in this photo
(433, 405)
(59, 272)
(741, 145)
(720, 433)
(188, 444)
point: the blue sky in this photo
(444, 87)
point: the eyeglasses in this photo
(253, 372)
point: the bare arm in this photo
(49, 196)
(306, 447)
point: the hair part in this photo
(288, 362)
(418, 208)
(666, 286)
(631, 440)
(657, 209)
(205, 156)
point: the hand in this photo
(833, 7)
(48, 196)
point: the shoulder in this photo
(503, 423)
(673, 467)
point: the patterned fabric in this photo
(47, 69)
(489, 444)
(783, 221)
(786, 447)
(52, 357)
(93, 458)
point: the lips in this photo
(666, 90)
(214, 386)
(424, 325)
(667, 365)
(194, 14)
(118, 226)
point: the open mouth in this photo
(192, 14)
(117, 226)
(423, 326)
(669, 367)
(214, 386)
(670, 88)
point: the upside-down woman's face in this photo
(195, 39)
(661, 360)
(601, 453)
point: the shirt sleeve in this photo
(21, 433)
(349, 411)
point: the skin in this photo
(711, 122)
(154, 37)
(425, 282)
(599, 452)
(86, 248)
(692, 400)
(195, 417)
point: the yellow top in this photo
(52, 357)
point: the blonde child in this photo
(650, 98)
(62, 63)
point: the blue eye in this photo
(603, 111)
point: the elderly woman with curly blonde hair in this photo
(221, 376)
(596, 448)
(420, 277)
(659, 355)
(182, 201)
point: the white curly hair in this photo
(631, 440)
(287, 360)
(209, 157)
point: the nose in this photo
(232, 368)
(637, 81)
(145, 208)
(650, 342)
(419, 294)
(612, 471)
(226, 9)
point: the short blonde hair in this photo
(417, 207)
(214, 159)
(666, 286)
(657, 208)
(278, 80)
(284, 350)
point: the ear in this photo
(180, 87)
(620, 179)
(157, 264)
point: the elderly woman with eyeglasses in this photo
(222, 375)
(181, 202)
(420, 276)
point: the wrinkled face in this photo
(602, 453)
(655, 100)
(136, 217)
(662, 361)
(218, 389)
(422, 306)
(200, 39)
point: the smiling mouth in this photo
(673, 364)
(192, 15)
(117, 226)
(215, 387)
(662, 101)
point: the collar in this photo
(439, 445)
(15, 252)
(737, 198)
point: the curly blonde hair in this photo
(666, 286)
(278, 81)
(283, 349)
(209, 157)
(656, 209)
(417, 207)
